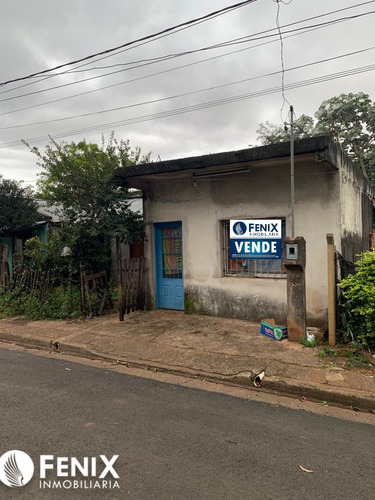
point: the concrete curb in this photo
(313, 392)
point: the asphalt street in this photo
(175, 442)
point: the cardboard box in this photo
(276, 332)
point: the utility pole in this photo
(292, 170)
(294, 261)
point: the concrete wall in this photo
(264, 192)
(356, 195)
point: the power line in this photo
(281, 58)
(245, 39)
(143, 43)
(127, 44)
(77, 70)
(197, 107)
(154, 101)
(151, 74)
(287, 25)
(71, 71)
(232, 42)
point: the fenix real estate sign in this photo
(255, 239)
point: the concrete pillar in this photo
(331, 275)
(294, 260)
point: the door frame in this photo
(158, 226)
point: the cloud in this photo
(42, 34)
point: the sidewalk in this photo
(219, 349)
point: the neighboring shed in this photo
(15, 241)
(188, 203)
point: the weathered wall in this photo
(260, 193)
(356, 195)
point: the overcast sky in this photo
(41, 34)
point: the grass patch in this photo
(346, 357)
(327, 352)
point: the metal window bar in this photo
(249, 268)
(172, 252)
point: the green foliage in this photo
(358, 290)
(345, 319)
(36, 252)
(188, 305)
(63, 298)
(308, 343)
(41, 256)
(327, 351)
(269, 133)
(79, 178)
(348, 118)
(346, 357)
(355, 359)
(18, 209)
(113, 292)
(61, 302)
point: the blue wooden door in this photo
(169, 268)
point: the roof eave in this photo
(280, 150)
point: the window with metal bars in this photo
(249, 268)
(172, 252)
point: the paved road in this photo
(174, 442)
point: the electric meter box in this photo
(294, 252)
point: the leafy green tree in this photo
(270, 133)
(348, 118)
(78, 178)
(18, 210)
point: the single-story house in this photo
(188, 203)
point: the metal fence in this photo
(343, 267)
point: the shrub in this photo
(358, 304)
(61, 302)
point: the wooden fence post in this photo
(4, 267)
(82, 288)
(119, 280)
(331, 290)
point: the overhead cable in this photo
(196, 107)
(74, 70)
(193, 92)
(224, 44)
(127, 44)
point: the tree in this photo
(348, 118)
(17, 208)
(79, 179)
(269, 133)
